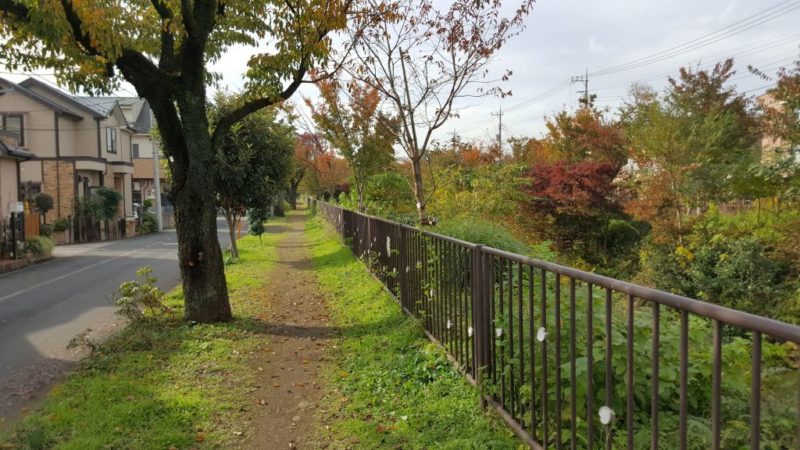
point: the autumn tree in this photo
(422, 60)
(689, 147)
(162, 48)
(253, 163)
(585, 136)
(326, 174)
(300, 165)
(355, 126)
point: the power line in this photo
(706, 39)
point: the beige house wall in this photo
(30, 172)
(146, 145)
(78, 138)
(38, 122)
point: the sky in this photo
(565, 38)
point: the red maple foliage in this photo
(584, 188)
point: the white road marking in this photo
(66, 275)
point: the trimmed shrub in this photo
(148, 224)
(40, 246)
(43, 202)
(60, 224)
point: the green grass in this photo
(162, 383)
(389, 387)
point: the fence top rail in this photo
(740, 319)
(450, 239)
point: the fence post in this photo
(480, 329)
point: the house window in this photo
(11, 125)
(111, 140)
(135, 151)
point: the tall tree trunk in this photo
(200, 258)
(230, 218)
(419, 191)
(199, 254)
(360, 193)
(293, 193)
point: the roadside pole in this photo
(157, 186)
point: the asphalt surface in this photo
(42, 307)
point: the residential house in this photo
(143, 143)
(79, 143)
(10, 156)
(772, 146)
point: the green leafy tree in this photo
(253, 163)
(255, 221)
(162, 48)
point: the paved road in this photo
(42, 307)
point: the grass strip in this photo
(389, 387)
(162, 383)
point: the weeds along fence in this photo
(572, 359)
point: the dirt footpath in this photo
(299, 332)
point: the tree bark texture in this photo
(293, 194)
(199, 254)
(419, 191)
(233, 223)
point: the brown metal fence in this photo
(572, 359)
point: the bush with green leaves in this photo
(46, 230)
(279, 208)
(40, 246)
(104, 203)
(61, 224)
(256, 217)
(730, 261)
(136, 299)
(149, 224)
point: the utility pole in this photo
(157, 183)
(587, 101)
(499, 115)
(454, 139)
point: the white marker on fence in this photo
(541, 334)
(606, 415)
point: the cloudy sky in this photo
(650, 40)
(619, 42)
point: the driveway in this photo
(42, 307)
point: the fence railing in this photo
(85, 230)
(573, 359)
